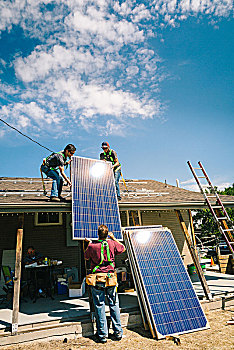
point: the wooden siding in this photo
(52, 240)
(48, 240)
(169, 219)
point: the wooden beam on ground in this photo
(194, 256)
(17, 277)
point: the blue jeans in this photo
(99, 305)
(117, 174)
(57, 184)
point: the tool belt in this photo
(109, 278)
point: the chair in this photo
(9, 284)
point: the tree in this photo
(204, 221)
(229, 191)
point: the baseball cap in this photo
(105, 144)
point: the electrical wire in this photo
(12, 127)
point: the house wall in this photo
(52, 240)
(48, 240)
(166, 218)
(170, 220)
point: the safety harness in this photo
(108, 157)
(66, 165)
(104, 245)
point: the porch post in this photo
(16, 297)
(192, 229)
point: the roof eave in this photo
(66, 207)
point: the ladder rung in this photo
(227, 229)
(210, 196)
(216, 206)
(202, 177)
(222, 218)
(198, 168)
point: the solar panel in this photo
(136, 278)
(140, 227)
(94, 200)
(163, 283)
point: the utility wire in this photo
(12, 127)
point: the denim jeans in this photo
(57, 184)
(99, 305)
(117, 174)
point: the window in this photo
(47, 219)
(134, 218)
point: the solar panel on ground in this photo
(135, 276)
(164, 283)
(94, 200)
(128, 228)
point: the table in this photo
(46, 274)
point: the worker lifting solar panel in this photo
(170, 299)
(94, 200)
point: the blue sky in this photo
(153, 78)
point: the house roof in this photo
(27, 193)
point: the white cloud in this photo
(111, 29)
(2, 133)
(223, 185)
(92, 63)
(25, 115)
(191, 184)
(40, 63)
(140, 13)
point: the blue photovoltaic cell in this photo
(173, 302)
(94, 200)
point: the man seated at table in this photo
(42, 284)
(32, 256)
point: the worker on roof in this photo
(109, 155)
(53, 167)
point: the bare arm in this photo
(116, 163)
(111, 235)
(61, 169)
(87, 242)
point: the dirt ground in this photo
(219, 336)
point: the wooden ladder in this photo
(220, 215)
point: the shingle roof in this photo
(29, 192)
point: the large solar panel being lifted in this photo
(94, 200)
(171, 303)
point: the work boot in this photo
(62, 199)
(54, 199)
(119, 198)
(101, 340)
(118, 336)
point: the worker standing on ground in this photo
(109, 155)
(53, 167)
(103, 281)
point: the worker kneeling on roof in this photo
(103, 280)
(109, 155)
(53, 167)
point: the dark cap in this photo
(105, 144)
